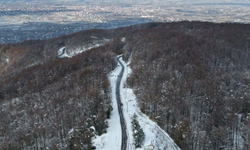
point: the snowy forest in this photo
(192, 78)
(52, 103)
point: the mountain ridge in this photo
(192, 78)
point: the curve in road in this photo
(118, 98)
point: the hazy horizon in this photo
(19, 19)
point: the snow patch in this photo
(62, 53)
(123, 39)
(238, 140)
(80, 50)
(92, 128)
(15, 101)
(94, 37)
(71, 131)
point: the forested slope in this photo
(52, 103)
(193, 79)
(16, 56)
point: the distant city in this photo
(21, 21)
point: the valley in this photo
(20, 21)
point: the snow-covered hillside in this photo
(70, 52)
(112, 139)
(154, 135)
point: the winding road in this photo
(118, 98)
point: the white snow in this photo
(93, 37)
(238, 140)
(62, 53)
(112, 139)
(92, 128)
(154, 135)
(123, 39)
(84, 49)
(71, 131)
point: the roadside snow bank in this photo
(154, 135)
(112, 139)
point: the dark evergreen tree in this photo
(139, 135)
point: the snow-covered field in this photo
(154, 135)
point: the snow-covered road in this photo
(154, 136)
(112, 139)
